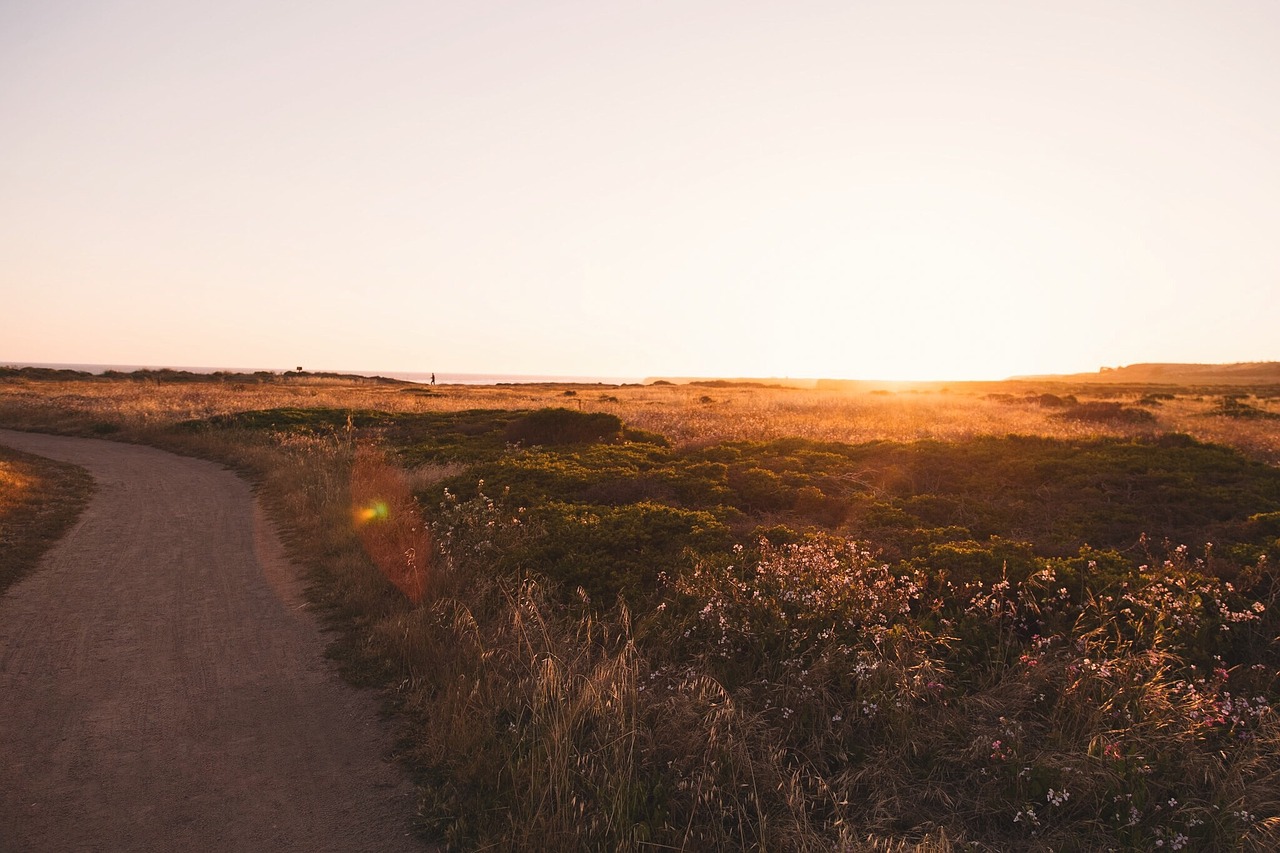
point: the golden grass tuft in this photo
(39, 500)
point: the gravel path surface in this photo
(162, 686)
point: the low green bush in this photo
(556, 427)
(607, 550)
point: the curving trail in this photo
(162, 688)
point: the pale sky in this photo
(894, 189)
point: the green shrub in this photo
(644, 436)
(556, 427)
(904, 498)
(759, 489)
(602, 474)
(924, 624)
(303, 420)
(1265, 524)
(608, 550)
(968, 560)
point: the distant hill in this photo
(1244, 373)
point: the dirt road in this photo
(161, 687)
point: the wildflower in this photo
(1029, 813)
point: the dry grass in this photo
(389, 525)
(39, 500)
(138, 408)
(16, 482)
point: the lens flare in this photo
(376, 511)
(389, 525)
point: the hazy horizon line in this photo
(477, 378)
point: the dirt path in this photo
(162, 689)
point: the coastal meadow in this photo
(733, 616)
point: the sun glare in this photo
(376, 511)
(910, 278)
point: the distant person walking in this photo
(433, 379)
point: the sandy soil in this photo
(162, 686)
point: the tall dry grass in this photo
(392, 531)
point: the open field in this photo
(686, 414)
(735, 617)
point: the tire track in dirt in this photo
(161, 688)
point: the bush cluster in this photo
(798, 645)
(970, 509)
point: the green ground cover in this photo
(1009, 642)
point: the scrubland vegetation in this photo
(718, 618)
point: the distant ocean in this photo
(441, 378)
